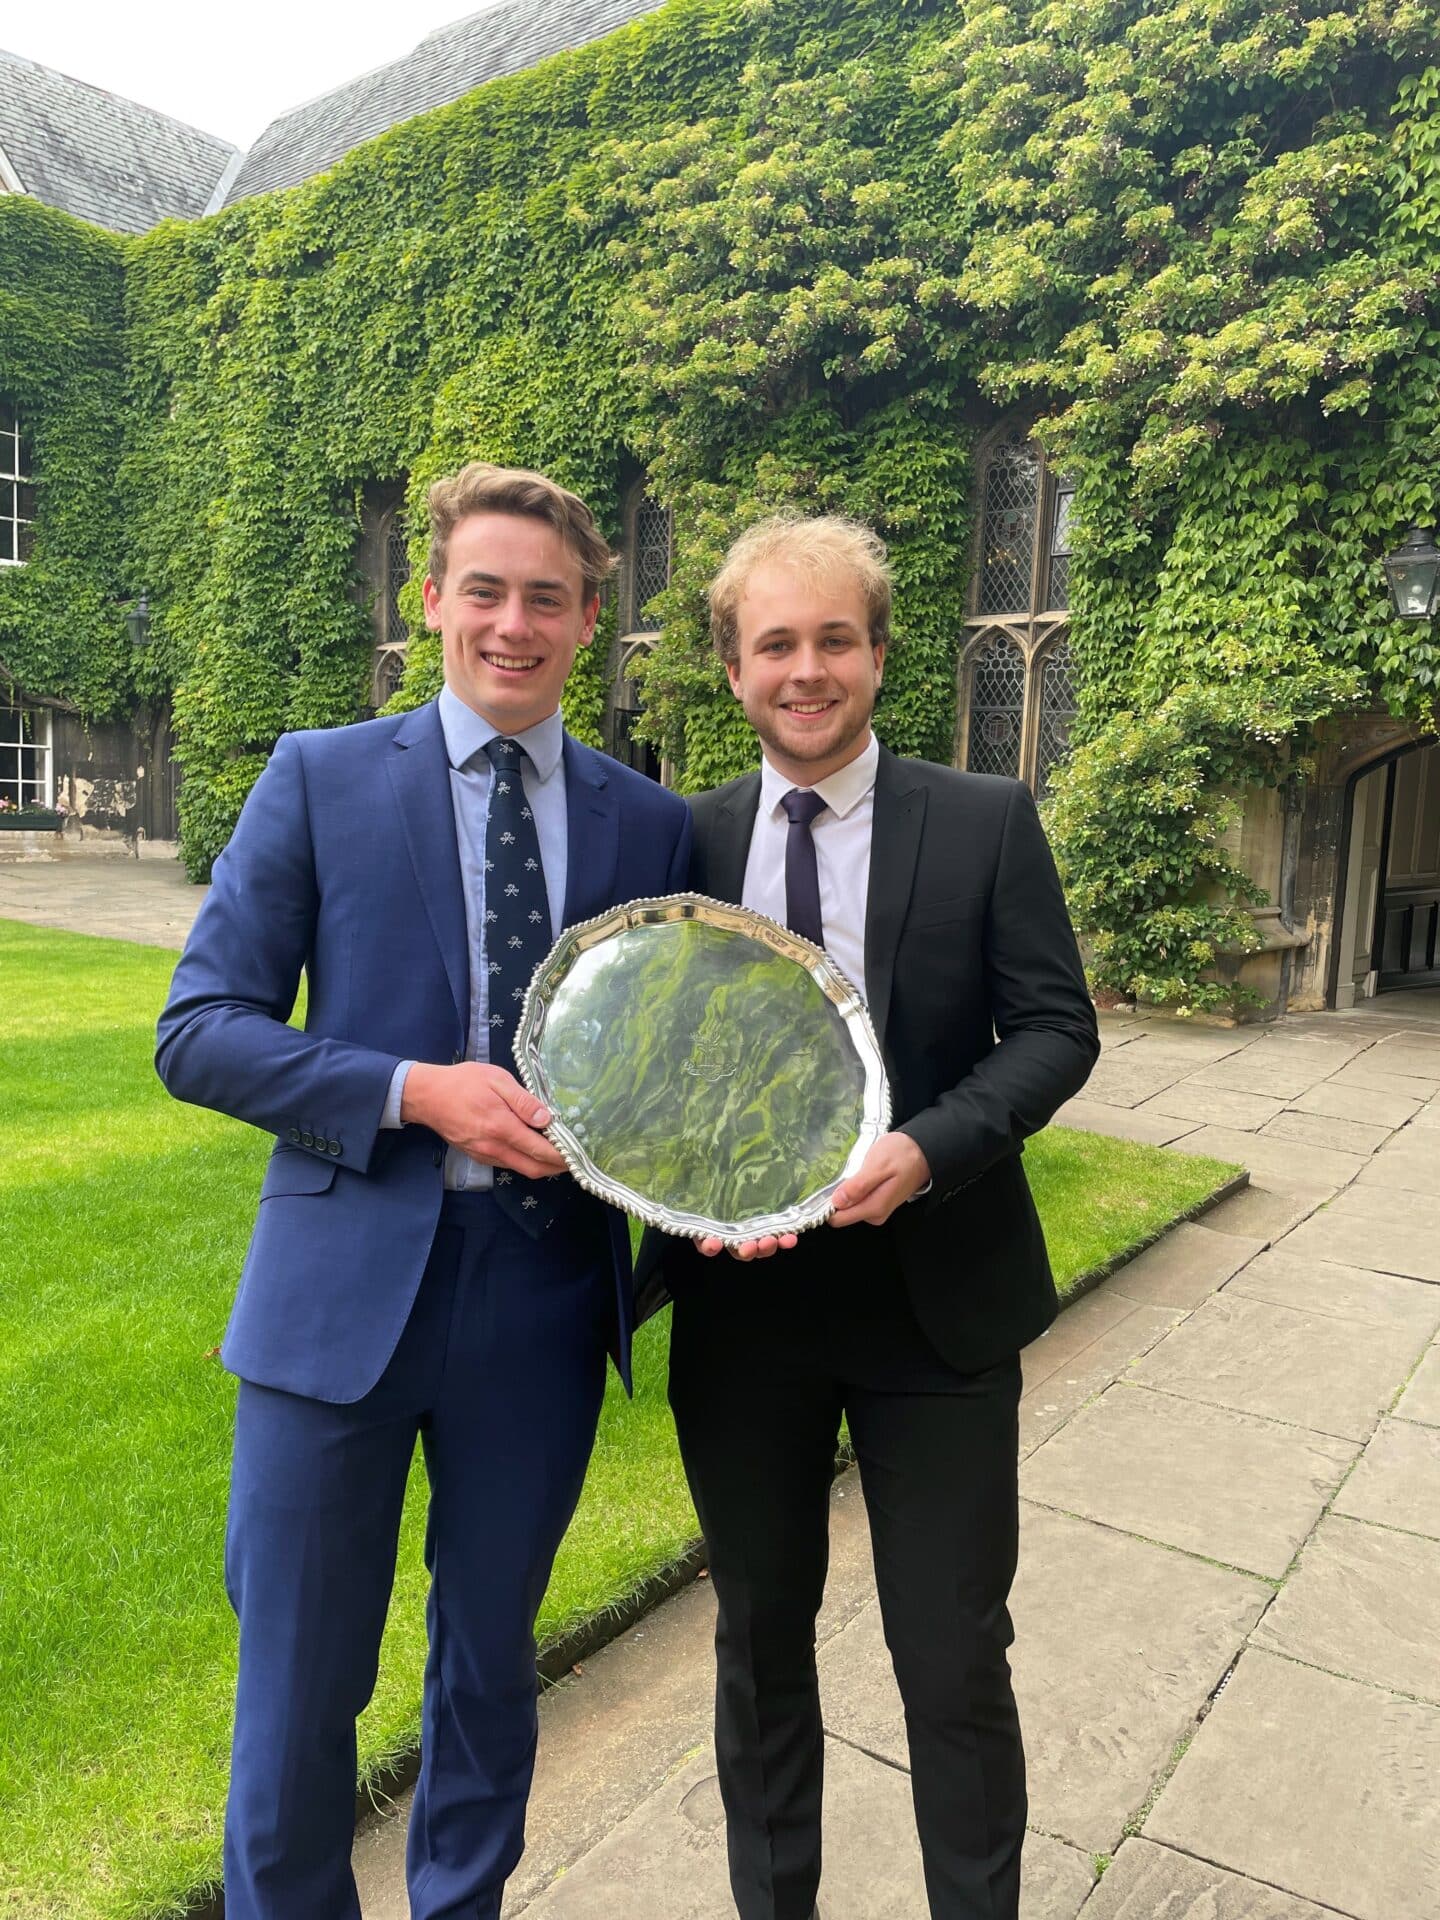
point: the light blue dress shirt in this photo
(543, 773)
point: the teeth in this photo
(509, 662)
(810, 706)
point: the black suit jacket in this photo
(977, 993)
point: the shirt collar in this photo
(467, 732)
(842, 792)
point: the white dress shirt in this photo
(842, 856)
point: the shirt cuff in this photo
(390, 1113)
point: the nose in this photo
(512, 620)
(808, 663)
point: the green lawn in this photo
(124, 1221)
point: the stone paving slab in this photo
(1314, 1784)
(1287, 1279)
(1377, 1079)
(1212, 1106)
(1411, 1162)
(1147, 1635)
(1121, 1123)
(1344, 1102)
(1332, 1376)
(1376, 1228)
(1088, 1368)
(1055, 1881)
(1421, 1399)
(1412, 1052)
(1280, 1066)
(1227, 1485)
(1265, 1213)
(1148, 1882)
(1195, 1046)
(667, 1860)
(1397, 1482)
(1183, 1268)
(1364, 1602)
(1275, 1163)
(1323, 1130)
(1129, 1075)
(1429, 1115)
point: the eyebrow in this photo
(475, 578)
(826, 626)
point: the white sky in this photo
(231, 70)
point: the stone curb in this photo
(555, 1659)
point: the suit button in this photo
(439, 1156)
(335, 1146)
(307, 1139)
(294, 1136)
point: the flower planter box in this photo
(33, 820)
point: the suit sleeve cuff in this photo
(390, 1113)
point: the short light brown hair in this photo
(482, 488)
(819, 549)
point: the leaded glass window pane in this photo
(1057, 713)
(651, 563)
(17, 492)
(1012, 501)
(397, 572)
(997, 707)
(1059, 559)
(389, 676)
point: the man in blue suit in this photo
(421, 1261)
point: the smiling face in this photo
(805, 672)
(512, 611)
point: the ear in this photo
(591, 615)
(879, 652)
(430, 593)
(732, 669)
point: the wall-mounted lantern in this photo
(137, 620)
(1414, 576)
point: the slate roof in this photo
(104, 158)
(504, 38)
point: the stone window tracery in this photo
(1017, 682)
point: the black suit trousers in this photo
(765, 1360)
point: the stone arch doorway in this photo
(1389, 919)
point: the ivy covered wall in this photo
(62, 617)
(803, 251)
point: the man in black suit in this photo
(936, 891)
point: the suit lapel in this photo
(894, 848)
(419, 771)
(728, 848)
(592, 834)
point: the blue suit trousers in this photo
(500, 1372)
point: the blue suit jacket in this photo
(344, 864)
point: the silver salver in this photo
(706, 1069)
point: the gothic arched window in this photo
(1012, 504)
(1017, 692)
(646, 562)
(997, 708)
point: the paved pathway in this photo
(110, 893)
(1228, 1608)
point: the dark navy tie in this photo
(517, 938)
(802, 879)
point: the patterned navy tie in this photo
(516, 940)
(802, 878)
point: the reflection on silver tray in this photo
(706, 1068)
